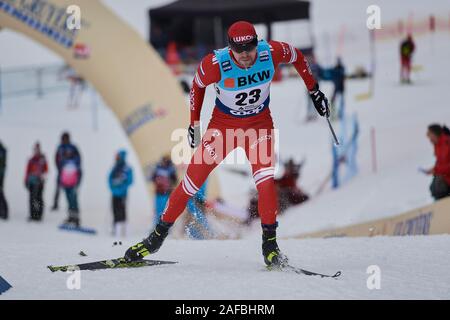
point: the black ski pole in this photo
(336, 141)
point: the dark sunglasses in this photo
(247, 47)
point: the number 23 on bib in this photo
(244, 92)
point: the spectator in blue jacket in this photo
(120, 179)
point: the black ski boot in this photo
(273, 257)
(149, 245)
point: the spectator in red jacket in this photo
(34, 181)
(440, 138)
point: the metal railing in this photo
(37, 81)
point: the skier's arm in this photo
(196, 95)
(285, 53)
(207, 72)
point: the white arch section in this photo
(126, 71)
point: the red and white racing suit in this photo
(254, 134)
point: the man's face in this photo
(245, 58)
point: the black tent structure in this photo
(204, 22)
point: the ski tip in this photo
(337, 274)
(52, 268)
(60, 268)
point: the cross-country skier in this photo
(241, 74)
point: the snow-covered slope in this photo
(409, 268)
